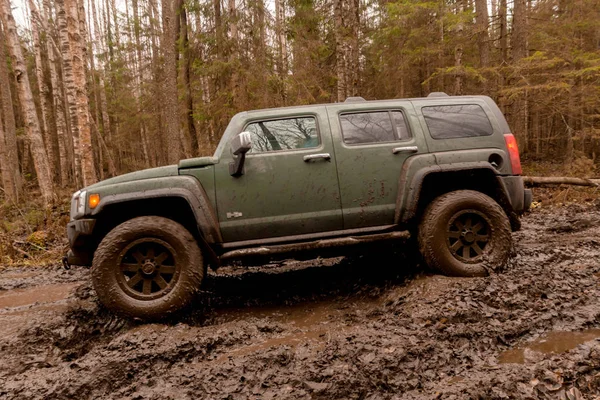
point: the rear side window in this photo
(459, 121)
(374, 127)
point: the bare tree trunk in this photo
(493, 28)
(282, 59)
(32, 123)
(482, 32)
(106, 126)
(10, 132)
(70, 89)
(60, 132)
(5, 168)
(519, 31)
(233, 25)
(458, 77)
(42, 87)
(340, 53)
(519, 51)
(185, 75)
(503, 31)
(352, 29)
(169, 51)
(234, 51)
(218, 28)
(117, 37)
(206, 100)
(139, 80)
(75, 66)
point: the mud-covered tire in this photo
(172, 287)
(448, 249)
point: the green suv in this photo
(307, 181)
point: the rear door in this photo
(371, 145)
(289, 186)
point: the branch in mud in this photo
(557, 180)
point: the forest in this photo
(90, 89)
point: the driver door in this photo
(289, 184)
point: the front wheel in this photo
(463, 231)
(147, 268)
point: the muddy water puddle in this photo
(19, 307)
(303, 315)
(552, 343)
(40, 294)
(294, 340)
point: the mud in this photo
(376, 327)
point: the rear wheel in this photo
(148, 268)
(463, 231)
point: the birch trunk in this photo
(32, 123)
(61, 160)
(281, 39)
(77, 35)
(68, 79)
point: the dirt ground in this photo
(378, 327)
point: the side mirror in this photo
(240, 145)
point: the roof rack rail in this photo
(353, 99)
(438, 94)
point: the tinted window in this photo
(373, 127)
(447, 122)
(400, 124)
(284, 134)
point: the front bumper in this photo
(519, 197)
(81, 242)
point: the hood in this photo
(197, 162)
(169, 170)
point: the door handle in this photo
(323, 156)
(408, 149)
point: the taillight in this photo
(513, 153)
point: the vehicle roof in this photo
(372, 102)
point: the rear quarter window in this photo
(457, 121)
(374, 127)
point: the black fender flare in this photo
(182, 186)
(412, 177)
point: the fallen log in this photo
(559, 180)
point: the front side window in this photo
(373, 127)
(284, 134)
(457, 121)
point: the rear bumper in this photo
(519, 197)
(81, 241)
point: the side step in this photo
(262, 251)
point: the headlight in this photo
(78, 204)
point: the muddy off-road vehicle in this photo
(302, 182)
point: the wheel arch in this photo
(431, 181)
(179, 198)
